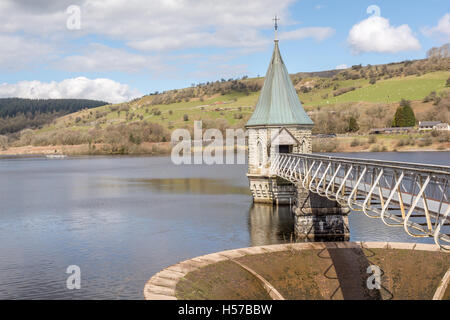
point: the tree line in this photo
(17, 114)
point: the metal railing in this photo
(411, 196)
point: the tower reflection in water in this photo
(270, 224)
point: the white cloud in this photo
(224, 38)
(144, 31)
(81, 88)
(98, 57)
(43, 17)
(150, 25)
(317, 33)
(20, 53)
(442, 29)
(341, 67)
(176, 24)
(375, 34)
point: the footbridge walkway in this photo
(411, 196)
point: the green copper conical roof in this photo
(278, 103)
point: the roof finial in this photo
(276, 19)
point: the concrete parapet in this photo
(162, 286)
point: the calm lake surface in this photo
(122, 219)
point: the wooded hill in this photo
(17, 114)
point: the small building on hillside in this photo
(442, 127)
(423, 126)
(391, 130)
(428, 125)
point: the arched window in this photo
(260, 153)
(303, 146)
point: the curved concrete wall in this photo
(162, 285)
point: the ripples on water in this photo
(123, 219)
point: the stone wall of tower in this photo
(304, 136)
(264, 136)
(256, 136)
(264, 187)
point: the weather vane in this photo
(276, 19)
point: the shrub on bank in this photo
(378, 148)
(118, 135)
(3, 142)
(355, 143)
(325, 145)
(425, 142)
(372, 140)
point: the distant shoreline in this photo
(152, 149)
(163, 149)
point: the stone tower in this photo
(279, 124)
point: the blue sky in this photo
(126, 48)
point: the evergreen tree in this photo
(353, 125)
(404, 116)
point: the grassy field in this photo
(393, 90)
(172, 115)
(384, 91)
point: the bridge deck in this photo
(408, 195)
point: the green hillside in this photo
(234, 109)
(388, 91)
(368, 94)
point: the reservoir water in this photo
(122, 219)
